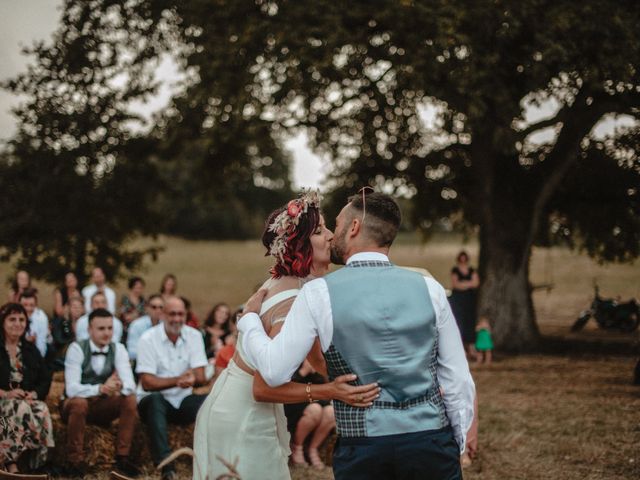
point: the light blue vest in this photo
(384, 330)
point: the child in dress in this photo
(484, 343)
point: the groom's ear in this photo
(354, 228)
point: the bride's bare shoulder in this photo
(276, 285)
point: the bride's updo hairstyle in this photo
(287, 235)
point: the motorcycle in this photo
(610, 314)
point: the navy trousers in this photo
(431, 454)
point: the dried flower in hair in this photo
(285, 223)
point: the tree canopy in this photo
(484, 112)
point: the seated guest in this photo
(222, 358)
(170, 363)
(226, 352)
(132, 303)
(24, 385)
(39, 322)
(315, 420)
(140, 325)
(21, 282)
(99, 300)
(62, 295)
(192, 318)
(100, 388)
(63, 330)
(216, 327)
(98, 285)
(169, 286)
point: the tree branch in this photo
(580, 119)
(549, 122)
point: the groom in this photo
(384, 324)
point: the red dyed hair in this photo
(298, 254)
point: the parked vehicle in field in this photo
(610, 314)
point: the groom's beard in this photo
(337, 250)
(336, 258)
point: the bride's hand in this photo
(254, 303)
(360, 396)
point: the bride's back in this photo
(281, 293)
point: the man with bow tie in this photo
(100, 387)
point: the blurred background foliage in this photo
(485, 117)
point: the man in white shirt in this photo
(171, 361)
(98, 300)
(99, 285)
(386, 325)
(39, 332)
(155, 307)
(99, 387)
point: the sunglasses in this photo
(364, 191)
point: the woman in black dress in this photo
(464, 283)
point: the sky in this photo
(24, 21)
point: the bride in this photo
(231, 423)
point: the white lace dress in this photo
(231, 424)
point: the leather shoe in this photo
(126, 467)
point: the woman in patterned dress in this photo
(25, 421)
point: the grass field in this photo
(210, 272)
(567, 415)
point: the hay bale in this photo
(99, 442)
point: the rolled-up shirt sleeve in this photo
(452, 369)
(277, 359)
(123, 367)
(147, 361)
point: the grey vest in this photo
(91, 377)
(384, 330)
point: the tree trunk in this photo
(505, 294)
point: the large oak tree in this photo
(481, 111)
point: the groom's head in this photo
(367, 222)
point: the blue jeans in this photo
(431, 454)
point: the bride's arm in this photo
(339, 389)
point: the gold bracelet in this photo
(308, 390)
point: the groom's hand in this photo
(254, 303)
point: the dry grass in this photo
(572, 416)
(545, 417)
(210, 272)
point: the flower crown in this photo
(287, 220)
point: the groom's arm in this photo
(277, 359)
(452, 369)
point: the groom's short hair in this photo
(382, 216)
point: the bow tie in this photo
(99, 353)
